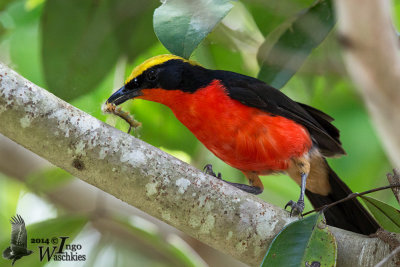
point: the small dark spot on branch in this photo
(78, 164)
(345, 41)
(313, 264)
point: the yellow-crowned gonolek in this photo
(252, 127)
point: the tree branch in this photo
(371, 53)
(206, 208)
(78, 197)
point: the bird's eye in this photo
(131, 85)
(151, 75)
(135, 83)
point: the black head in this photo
(162, 72)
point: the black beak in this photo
(122, 95)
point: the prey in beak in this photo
(112, 108)
(126, 92)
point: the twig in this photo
(395, 179)
(388, 257)
(351, 196)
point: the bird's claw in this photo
(208, 169)
(297, 207)
(247, 188)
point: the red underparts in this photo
(246, 138)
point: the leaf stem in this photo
(351, 196)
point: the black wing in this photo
(255, 93)
(18, 232)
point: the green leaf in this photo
(5, 3)
(322, 247)
(32, 4)
(236, 32)
(181, 25)
(17, 15)
(22, 27)
(78, 46)
(303, 243)
(133, 25)
(280, 62)
(270, 14)
(387, 216)
(82, 41)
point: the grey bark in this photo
(78, 197)
(208, 209)
(394, 179)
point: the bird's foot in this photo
(208, 169)
(297, 207)
(255, 190)
(244, 187)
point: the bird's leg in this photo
(208, 169)
(255, 182)
(298, 207)
(303, 166)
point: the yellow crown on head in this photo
(157, 60)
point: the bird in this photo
(18, 246)
(254, 128)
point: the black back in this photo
(255, 93)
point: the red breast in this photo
(244, 137)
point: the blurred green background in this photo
(82, 50)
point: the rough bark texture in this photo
(78, 197)
(394, 179)
(371, 52)
(210, 210)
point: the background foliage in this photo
(83, 50)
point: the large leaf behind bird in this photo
(82, 40)
(181, 25)
(295, 42)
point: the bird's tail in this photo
(349, 215)
(7, 253)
